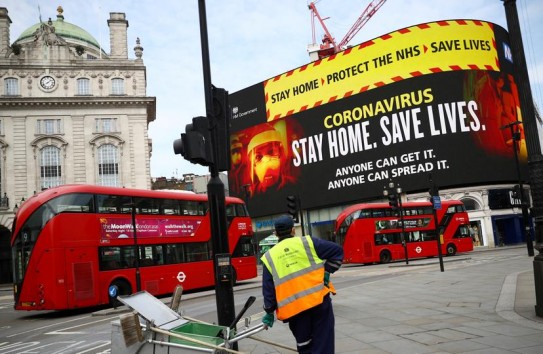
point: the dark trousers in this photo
(314, 329)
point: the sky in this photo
(250, 41)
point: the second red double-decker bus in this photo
(372, 233)
(72, 243)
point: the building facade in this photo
(69, 113)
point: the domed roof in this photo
(63, 29)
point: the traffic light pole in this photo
(394, 194)
(404, 240)
(436, 202)
(535, 159)
(224, 293)
(515, 137)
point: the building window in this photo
(108, 165)
(117, 86)
(49, 126)
(83, 86)
(471, 204)
(11, 86)
(106, 125)
(50, 167)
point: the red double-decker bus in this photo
(72, 243)
(372, 233)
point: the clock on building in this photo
(47, 82)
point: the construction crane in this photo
(329, 46)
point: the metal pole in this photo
(434, 193)
(136, 248)
(535, 159)
(224, 294)
(404, 241)
(299, 201)
(515, 136)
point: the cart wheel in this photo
(451, 249)
(116, 288)
(385, 257)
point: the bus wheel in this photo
(385, 257)
(123, 288)
(451, 249)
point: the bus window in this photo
(241, 210)
(110, 258)
(72, 203)
(382, 239)
(175, 253)
(230, 211)
(189, 207)
(147, 206)
(128, 257)
(197, 251)
(170, 207)
(244, 248)
(114, 204)
(462, 231)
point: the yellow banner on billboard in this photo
(423, 49)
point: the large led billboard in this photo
(429, 99)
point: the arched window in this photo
(83, 86)
(51, 172)
(117, 86)
(11, 86)
(471, 204)
(108, 165)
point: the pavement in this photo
(482, 304)
(477, 305)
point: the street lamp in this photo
(393, 192)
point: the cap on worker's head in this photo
(283, 225)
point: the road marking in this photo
(94, 348)
(61, 331)
(51, 325)
(16, 347)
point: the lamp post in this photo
(515, 137)
(393, 193)
(535, 159)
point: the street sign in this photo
(436, 202)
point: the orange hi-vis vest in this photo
(298, 276)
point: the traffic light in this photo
(393, 200)
(207, 140)
(195, 142)
(292, 207)
(221, 128)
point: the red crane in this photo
(329, 46)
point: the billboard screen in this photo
(428, 99)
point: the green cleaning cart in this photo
(155, 328)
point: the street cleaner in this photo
(296, 285)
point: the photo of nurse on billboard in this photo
(262, 159)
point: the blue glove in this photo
(268, 320)
(326, 279)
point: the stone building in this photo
(69, 113)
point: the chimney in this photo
(117, 35)
(4, 29)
